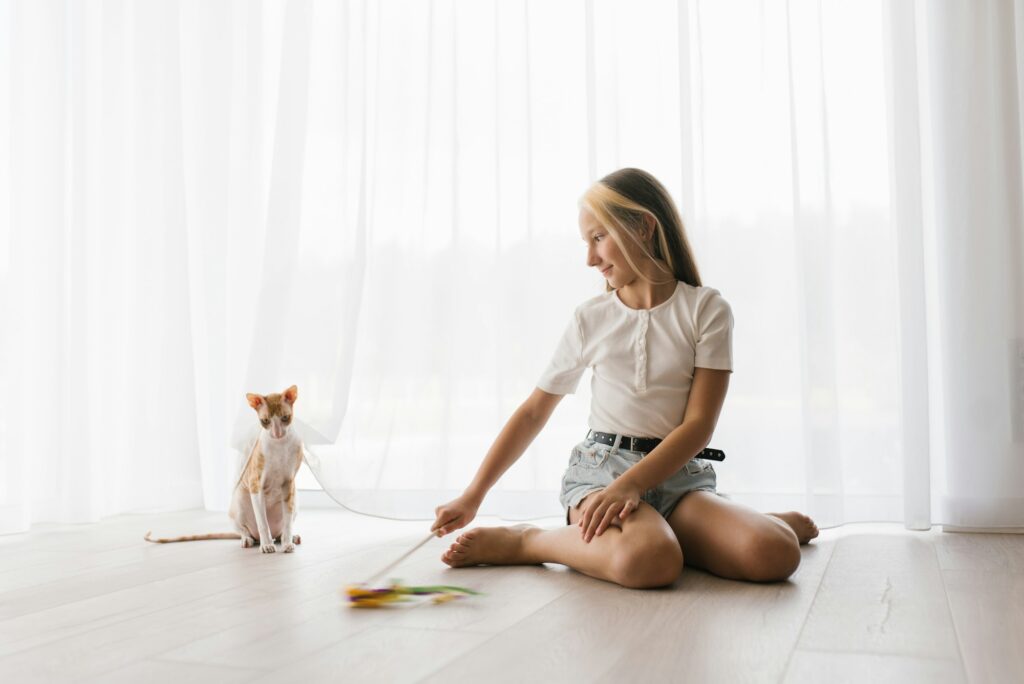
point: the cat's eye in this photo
(285, 419)
(265, 422)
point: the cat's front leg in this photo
(259, 509)
(288, 515)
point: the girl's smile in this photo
(602, 251)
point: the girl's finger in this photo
(594, 522)
(443, 526)
(606, 520)
(588, 521)
(588, 514)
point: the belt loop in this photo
(615, 446)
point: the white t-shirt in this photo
(642, 359)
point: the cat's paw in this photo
(296, 539)
(248, 542)
(288, 548)
(268, 548)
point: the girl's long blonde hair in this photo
(621, 200)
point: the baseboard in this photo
(315, 498)
(419, 504)
(983, 530)
(981, 514)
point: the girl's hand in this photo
(620, 498)
(455, 514)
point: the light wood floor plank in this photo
(980, 552)
(988, 610)
(160, 671)
(577, 637)
(882, 594)
(765, 618)
(391, 655)
(812, 667)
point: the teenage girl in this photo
(660, 348)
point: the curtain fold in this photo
(905, 185)
(973, 135)
(376, 201)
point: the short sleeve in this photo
(566, 368)
(714, 334)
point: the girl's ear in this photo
(650, 227)
(255, 400)
(291, 394)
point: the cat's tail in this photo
(193, 537)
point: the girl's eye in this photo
(597, 238)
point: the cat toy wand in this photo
(361, 596)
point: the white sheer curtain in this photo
(377, 201)
(956, 117)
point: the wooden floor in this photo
(869, 603)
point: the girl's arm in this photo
(521, 429)
(703, 407)
(517, 434)
(622, 496)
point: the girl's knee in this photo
(647, 564)
(772, 557)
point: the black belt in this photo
(647, 444)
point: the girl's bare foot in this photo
(490, 546)
(804, 527)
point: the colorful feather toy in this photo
(364, 596)
(360, 596)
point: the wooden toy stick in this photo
(398, 560)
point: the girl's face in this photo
(603, 252)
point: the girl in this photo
(660, 346)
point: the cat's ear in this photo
(255, 400)
(291, 394)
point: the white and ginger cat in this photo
(263, 505)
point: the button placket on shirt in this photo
(641, 351)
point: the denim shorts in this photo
(593, 466)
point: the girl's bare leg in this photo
(802, 525)
(640, 552)
(732, 540)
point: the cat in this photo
(263, 505)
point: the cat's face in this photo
(275, 410)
